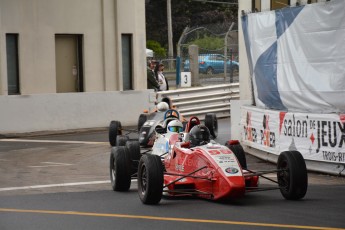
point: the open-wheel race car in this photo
(147, 123)
(190, 164)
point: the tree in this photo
(156, 47)
(184, 13)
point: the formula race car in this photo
(147, 123)
(190, 164)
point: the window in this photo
(12, 64)
(256, 5)
(127, 65)
(277, 4)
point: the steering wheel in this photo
(192, 122)
(171, 113)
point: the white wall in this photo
(66, 111)
(101, 22)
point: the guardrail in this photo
(198, 101)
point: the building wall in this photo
(101, 23)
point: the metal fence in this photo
(218, 52)
(217, 59)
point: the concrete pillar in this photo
(193, 51)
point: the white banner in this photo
(319, 137)
(297, 57)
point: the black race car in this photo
(147, 123)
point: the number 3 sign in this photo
(186, 79)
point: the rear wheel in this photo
(114, 130)
(121, 140)
(237, 149)
(120, 163)
(292, 175)
(133, 148)
(211, 123)
(150, 179)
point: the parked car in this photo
(212, 64)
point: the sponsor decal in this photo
(179, 167)
(264, 136)
(231, 170)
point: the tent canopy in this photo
(149, 53)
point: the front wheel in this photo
(211, 123)
(150, 179)
(292, 175)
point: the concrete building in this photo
(70, 64)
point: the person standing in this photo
(152, 82)
(163, 82)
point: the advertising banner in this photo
(296, 57)
(319, 137)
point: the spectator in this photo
(152, 83)
(163, 82)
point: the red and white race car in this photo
(190, 164)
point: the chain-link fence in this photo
(217, 59)
(218, 52)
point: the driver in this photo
(175, 126)
(162, 106)
(199, 135)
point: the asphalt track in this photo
(62, 182)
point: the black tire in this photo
(120, 165)
(142, 119)
(237, 149)
(121, 140)
(133, 148)
(150, 179)
(211, 123)
(209, 70)
(292, 175)
(114, 130)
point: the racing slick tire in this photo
(237, 149)
(114, 130)
(120, 165)
(133, 148)
(292, 175)
(142, 119)
(121, 140)
(211, 123)
(150, 179)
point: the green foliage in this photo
(156, 47)
(209, 43)
(184, 13)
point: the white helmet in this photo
(175, 126)
(162, 106)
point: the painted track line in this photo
(54, 185)
(53, 141)
(225, 222)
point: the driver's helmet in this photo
(175, 126)
(162, 106)
(199, 135)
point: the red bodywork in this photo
(210, 171)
